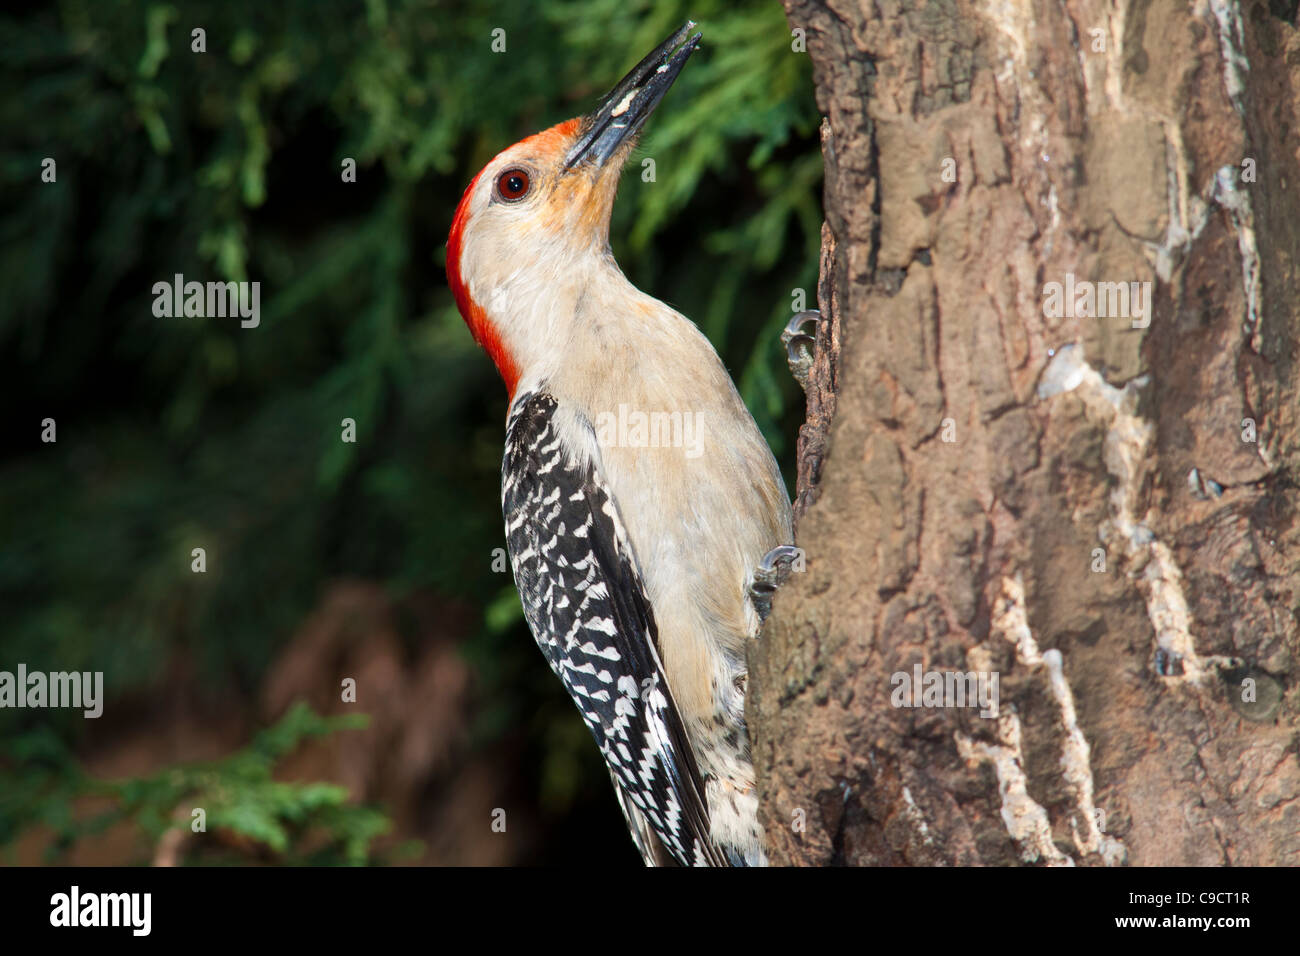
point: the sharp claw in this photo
(799, 345)
(795, 337)
(771, 573)
(799, 320)
(771, 562)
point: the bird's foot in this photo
(799, 345)
(772, 572)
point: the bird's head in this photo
(535, 219)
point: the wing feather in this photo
(586, 605)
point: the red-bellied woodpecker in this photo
(645, 517)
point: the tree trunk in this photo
(1012, 472)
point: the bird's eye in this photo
(513, 185)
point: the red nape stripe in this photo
(480, 326)
(549, 142)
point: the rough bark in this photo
(1069, 502)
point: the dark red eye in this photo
(513, 185)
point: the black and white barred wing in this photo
(586, 606)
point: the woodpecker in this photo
(645, 517)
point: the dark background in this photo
(326, 560)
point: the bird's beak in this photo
(623, 111)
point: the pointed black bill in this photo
(623, 111)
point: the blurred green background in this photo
(326, 560)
